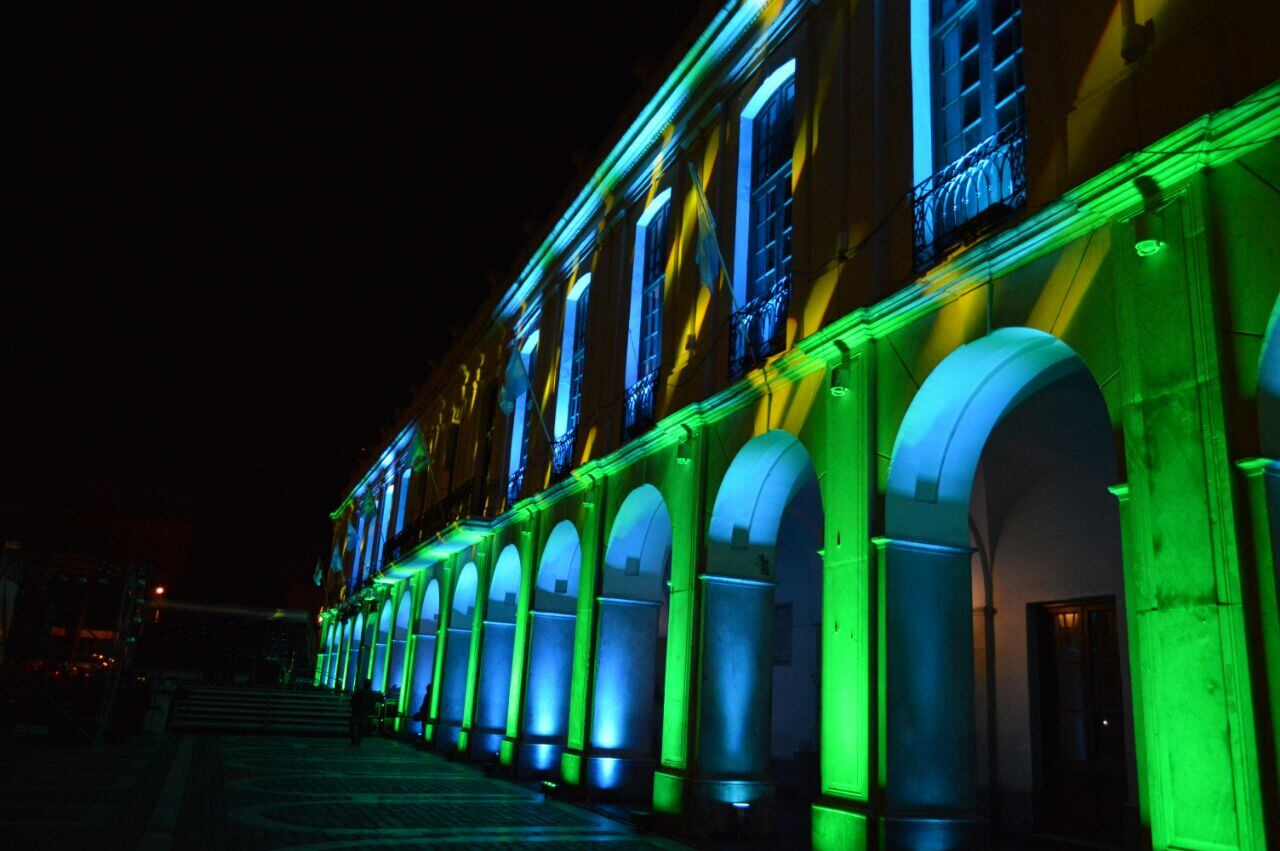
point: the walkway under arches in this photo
(1002, 535)
(761, 617)
(493, 687)
(626, 720)
(552, 621)
(424, 655)
(399, 642)
(381, 644)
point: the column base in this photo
(617, 778)
(740, 808)
(484, 745)
(446, 736)
(538, 760)
(934, 834)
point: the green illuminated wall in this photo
(1173, 340)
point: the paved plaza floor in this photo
(276, 792)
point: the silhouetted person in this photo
(361, 703)
(424, 712)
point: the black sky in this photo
(239, 233)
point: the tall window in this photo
(977, 69)
(522, 416)
(654, 281)
(644, 328)
(968, 109)
(773, 137)
(762, 238)
(573, 349)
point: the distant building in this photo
(929, 491)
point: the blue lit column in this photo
(424, 657)
(733, 789)
(620, 760)
(457, 652)
(546, 703)
(930, 749)
(493, 690)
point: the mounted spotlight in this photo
(1148, 233)
(1148, 226)
(839, 381)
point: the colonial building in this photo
(882, 441)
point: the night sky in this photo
(238, 235)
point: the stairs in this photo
(261, 711)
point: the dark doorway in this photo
(1081, 717)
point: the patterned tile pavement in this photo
(276, 792)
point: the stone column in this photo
(620, 760)
(546, 702)
(931, 796)
(493, 690)
(1262, 488)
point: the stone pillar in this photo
(493, 690)
(424, 660)
(930, 798)
(620, 760)
(1262, 488)
(546, 701)
(734, 707)
(453, 688)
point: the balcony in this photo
(515, 484)
(971, 195)
(562, 455)
(758, 330)
(466, 502)
(637, 413)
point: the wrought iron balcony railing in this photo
(971, 195)
(467, 501)
(758, 329)
(637, 412)
(562, 455)
(515, 484)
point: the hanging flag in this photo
(318, 576)
(515, 380)
(709, 258)
(418, 453)
(335, 559)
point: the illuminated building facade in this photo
(899, 442)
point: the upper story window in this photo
(968, 95)
(523, 412)
(644, 331)
(573, 353)
(762, 241)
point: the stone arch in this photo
(457, 656)
(556, 585)
(422, 683)
(381, 645)
(626, 714)
(761, 618)
(994, 422)
(493, 687)
(400, 640)
(552, 620)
